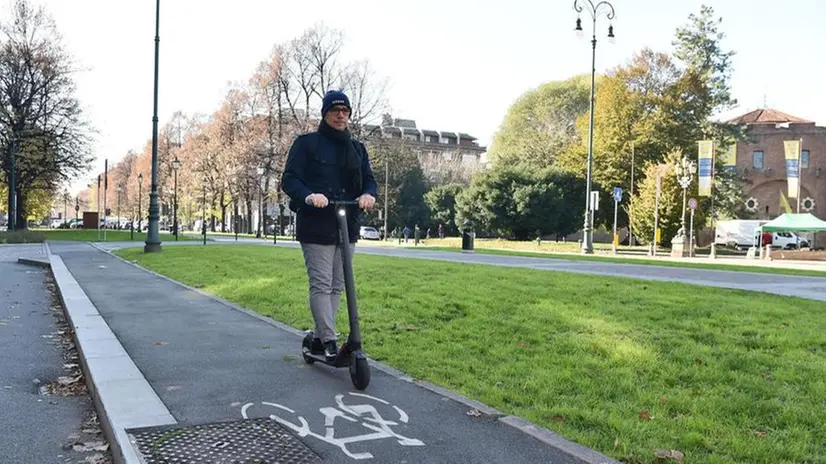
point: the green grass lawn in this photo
(94, 235)
(626, 367)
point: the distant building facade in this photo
(762, 160)
(438, 151)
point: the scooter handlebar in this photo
(334, 202)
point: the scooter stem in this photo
(354, 340)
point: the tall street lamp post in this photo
(153, 238)
(175, 166)
(684, 171)
(260, 188)
(120, 190)
(140, 194)
(593, 10)
(65, 207)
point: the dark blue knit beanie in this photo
(333, 98)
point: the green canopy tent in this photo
(804, 222)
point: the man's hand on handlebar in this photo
(317, 199)
(366, 201)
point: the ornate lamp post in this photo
(260, 188)
(153, 237)
(140, 194)
(175, 166)
(684, 171)
(119, 189)
(594, 10)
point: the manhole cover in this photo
(258, 440)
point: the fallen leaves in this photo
(96, 459)
(66, 386)
(96, 445)
(645, 415)
(673, 455)
(759, 434)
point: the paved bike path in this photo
(211, 363)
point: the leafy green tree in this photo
(405, 184)
(658, 103)
(629, 125)
(539, 125)
(668, 206)
(707, 79)
(442, 203)
(520, 203)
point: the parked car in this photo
(369, 233)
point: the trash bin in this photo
(467, 237)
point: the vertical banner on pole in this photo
(792, 166)
(705, 166)
(730, 157)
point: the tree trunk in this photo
(249, 216)
(264, 200)
(235, 217)
(223, 212)
(20, 222)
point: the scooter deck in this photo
(342, 360)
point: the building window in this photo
(428, 139)
(757, 160)
(804, 159)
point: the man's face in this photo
(338, 117)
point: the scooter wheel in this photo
(359, 371)
(306, 347)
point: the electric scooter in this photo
(350, 354)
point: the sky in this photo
(453, 65)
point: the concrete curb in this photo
(123, 398)
(573, 449)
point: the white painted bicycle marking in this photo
(365, 415)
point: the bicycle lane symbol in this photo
(365, 415)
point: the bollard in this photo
(768, 252)
(467, 237)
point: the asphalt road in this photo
(34, 427)
(210, 363)
(778, 284)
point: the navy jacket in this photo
(315, 164)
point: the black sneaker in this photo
(330, 350)
(317, 347)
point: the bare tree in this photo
(320, 46)
(448, 168)
(367, 93)
(41, 123)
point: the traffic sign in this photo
(617, 194)
(692, 203)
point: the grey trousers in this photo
(326, 278)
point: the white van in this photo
(741, 234)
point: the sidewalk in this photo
(39, 424)
(236, 383)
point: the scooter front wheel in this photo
(359, 371)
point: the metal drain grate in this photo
(260, 440)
